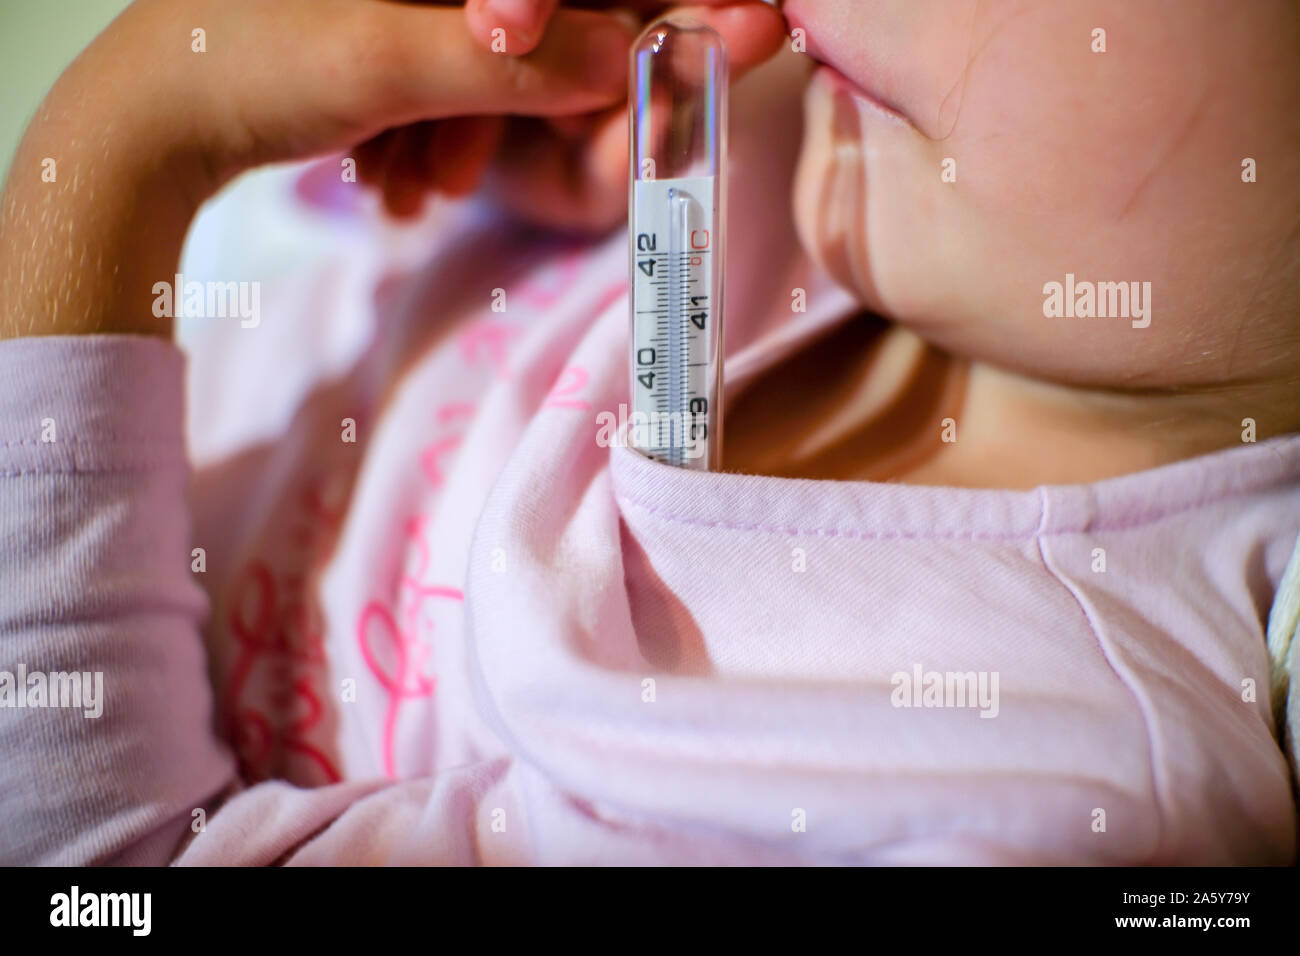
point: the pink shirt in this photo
(475, 635)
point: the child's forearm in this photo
(151, 120)
(81, 254)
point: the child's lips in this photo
(842, 85)
(799, 18)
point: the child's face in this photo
(1116, 166)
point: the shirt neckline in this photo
(878, 510)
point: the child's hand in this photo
(154, 116)
(571, 171)
(568, 170)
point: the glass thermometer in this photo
(676, 204)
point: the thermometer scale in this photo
(678, 155)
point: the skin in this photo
(1117, 166)
(143, 129)
(1124, 165)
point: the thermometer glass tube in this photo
(676, 207)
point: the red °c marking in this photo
(695, 243)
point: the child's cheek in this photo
(813, 178)
(867, 196)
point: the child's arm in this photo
(143, 127)
(99, 610)
(95, 565)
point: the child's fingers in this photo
(446, 156)
(646, 8)
(411, 62)
(405, 182)
(521, 22)
(371, 157)
(752, 31)
(364, 66)
(577, 127)
(539, 178)
(577, 179)
(460, 150)
(546, 177)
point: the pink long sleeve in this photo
(95, 578)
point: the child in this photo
(987, 577)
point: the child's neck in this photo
(873, 401)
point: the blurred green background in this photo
(38, 38)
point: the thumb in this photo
(404, 63)
(326, 76)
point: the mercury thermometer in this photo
(676, 206)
